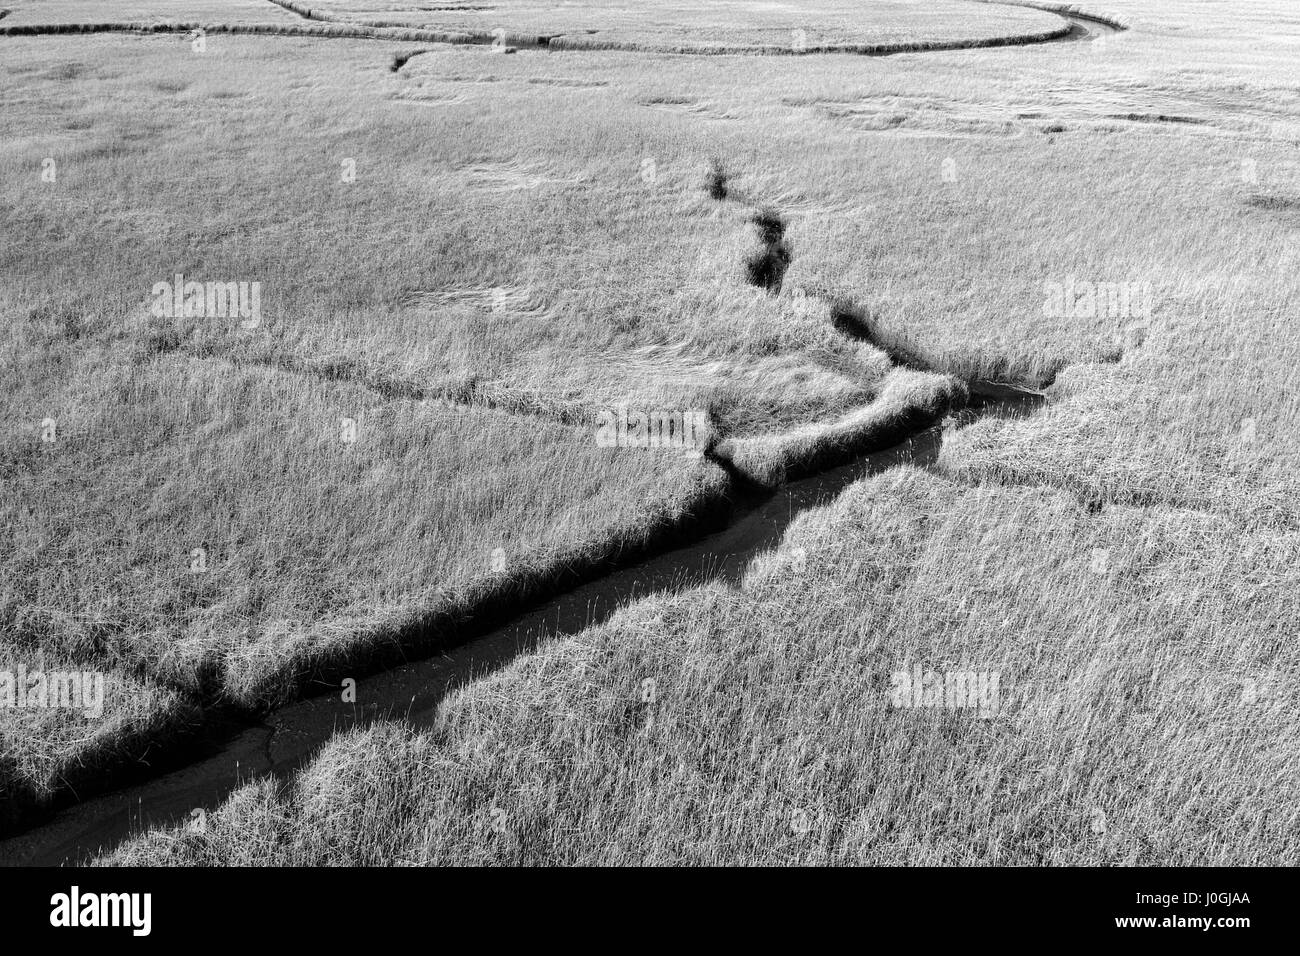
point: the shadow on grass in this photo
(754, 521)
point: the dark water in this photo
(289, 736)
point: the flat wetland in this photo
(989, 337)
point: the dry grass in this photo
(44, 751)
(1143, 710)
(1191, 418)
(310, 536)
(938, 193)
(704, 26)
(469, 342)
(909, 402)
(24, 12)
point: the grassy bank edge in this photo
(910, 402)
(164, 736)
(332, 27)
(317, 658)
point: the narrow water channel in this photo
(287, 737)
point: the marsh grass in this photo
(918, 189)
(468, 345)
(1143, 710)
(707, 27)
